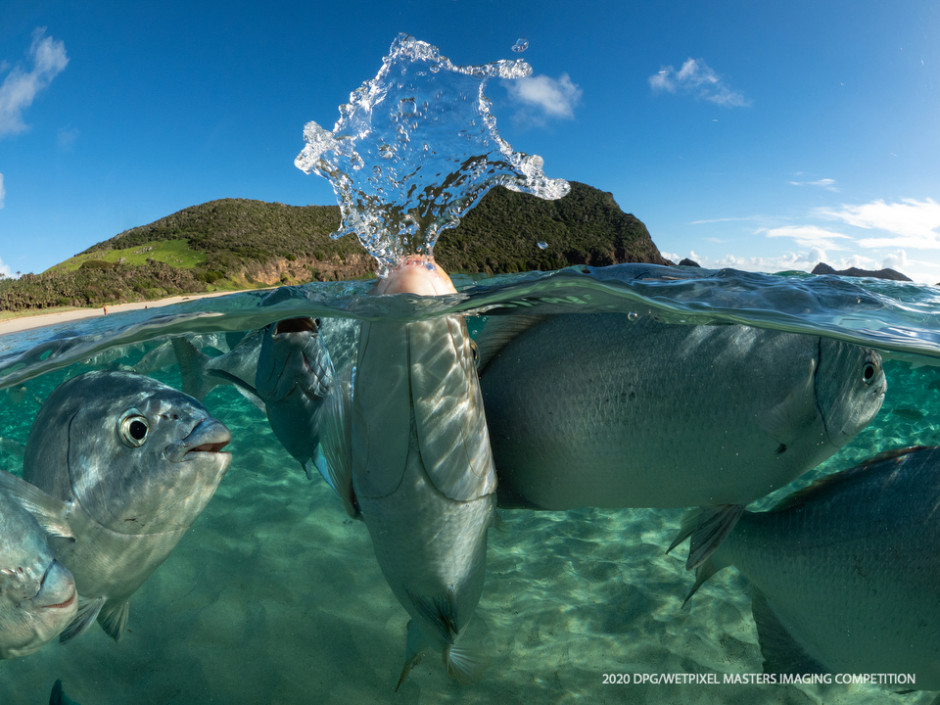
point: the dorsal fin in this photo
(498, 331)
(801, 496)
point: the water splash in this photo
(521, 45)
(415, 148)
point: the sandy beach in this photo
(27, 322)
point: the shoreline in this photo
(40, 320)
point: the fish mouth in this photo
(296, 325)
(73, 593)
(208, 436)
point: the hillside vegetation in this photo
(238, 243)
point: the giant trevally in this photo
(38, 598)
(845, 571)
(293, 377)
(409, 454)
(138, 461)
(620, 410)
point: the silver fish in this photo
(409, 453)
(845, 572)
(138, 461)
(202, 373)
(294, 374)
(38, 598)
(615, 410)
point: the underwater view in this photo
(633, 483)
(274, 594)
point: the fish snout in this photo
(208, 436)
(56, 588)
(416, 275)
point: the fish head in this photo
(850, 388)
(38, 597)
(416, 382)
(293, 359)
(139, 457)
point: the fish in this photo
(294, 373)
(137, 461)
(844, 572)
(407, 451)
(58, 696)
(622, 410)
(201, 373)
(38, 597)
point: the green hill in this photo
(238, 243)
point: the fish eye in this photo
(869, 371)
(134, 429)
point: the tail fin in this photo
(192, 363)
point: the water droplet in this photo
(542, 245)
(633, 316)
(521, 45)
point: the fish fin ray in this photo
(702, 573)
(781, 652)
(335, 442)
(192, 364)
(706, 528)
(113, 618)
(52, 514)
(88, 611)
(464, 665)
(497, 333)
(416, 643)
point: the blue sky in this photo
(763, 136)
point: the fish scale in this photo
(610, 410)
(845, 572)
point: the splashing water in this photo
(521, 45)
(416, 148)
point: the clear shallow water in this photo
(275, 596)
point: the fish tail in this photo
(192, 364)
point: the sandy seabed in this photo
(274, 597)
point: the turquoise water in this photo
(274, 596)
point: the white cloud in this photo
(3, 191)
(552, 97)
(809, 236)
(4, 269)
(697, 78)
(828, 184)
(47, 58)
(910, 224)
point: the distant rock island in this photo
(238, 244)
(887, 273)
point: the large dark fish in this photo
(38, 598)
(618, 410)
(846, 572)
(409, 453)
(138, 461)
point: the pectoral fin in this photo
(113, 618)
(88, 611)
(52, 514)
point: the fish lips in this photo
(209, 436)
(58, 585)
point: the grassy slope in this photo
(237, 243)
